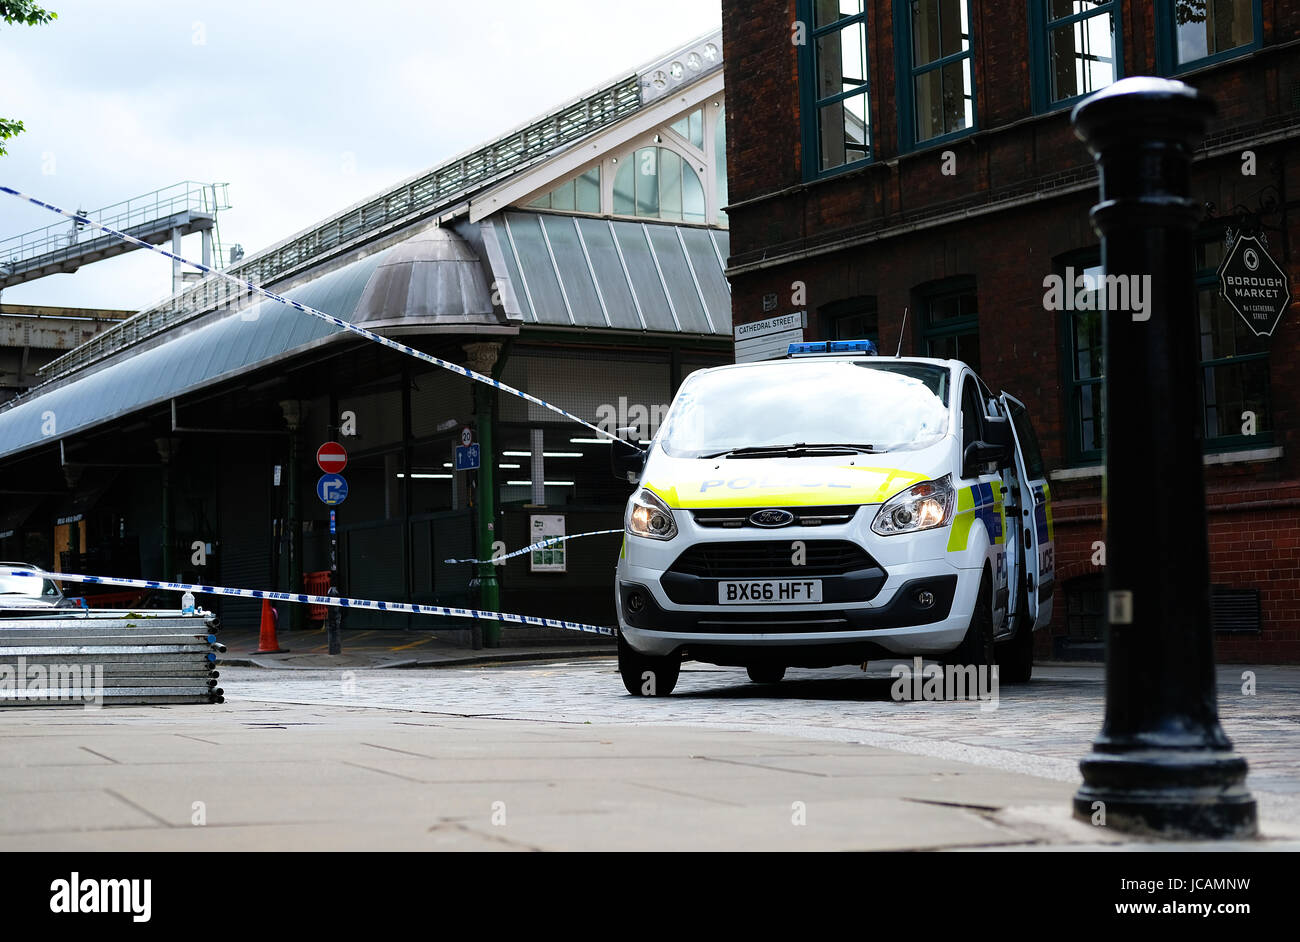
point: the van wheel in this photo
(646, 675)
(766, 673)
(1016, 657)
(977, 647)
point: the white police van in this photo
(831, 508)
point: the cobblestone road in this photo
(1042, 729)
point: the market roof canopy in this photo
(565, 271)
(219, 350)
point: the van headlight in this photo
(649, 516)
(922, 506)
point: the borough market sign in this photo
(1254, 285)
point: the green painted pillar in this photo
(489, 588)
(483, 358)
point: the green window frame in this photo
(1233, 374)
(1179, 32)
(1050, 22)
(949, 321)
(834, 96)
(1082, 369)
(947, 23)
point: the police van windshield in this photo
(806, 407)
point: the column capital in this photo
(482, 356)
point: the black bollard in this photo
(1161, 764)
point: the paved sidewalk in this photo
(1041, 729)
(264, 776)
(259, 776)
(555, 756)
(380, 648)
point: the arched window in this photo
(655, 182)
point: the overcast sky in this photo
(302, 106)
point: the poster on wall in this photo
(544, 527)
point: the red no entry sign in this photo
(332, 457)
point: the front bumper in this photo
(866, 614)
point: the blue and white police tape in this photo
(331, 600)
(551, 541)
(307, 309)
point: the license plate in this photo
(769, 591)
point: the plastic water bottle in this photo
(187, 603)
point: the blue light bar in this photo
(831, 346)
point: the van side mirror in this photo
(982, 453)
(997, 431)
(626, 458)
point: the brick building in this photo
(916, 155)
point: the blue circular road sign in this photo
(332, 489)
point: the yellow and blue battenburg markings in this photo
(829, 486)
(978, 502)
(1043, 512)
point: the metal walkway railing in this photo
(65, 246)
(442, 186)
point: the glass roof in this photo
(585, 272)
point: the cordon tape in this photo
(302, 599)
(339, 602)
(549, 541)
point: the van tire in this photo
(766, 673)
(647, 675)
(977, 647)
(1016, 657)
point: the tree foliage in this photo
(21, 13)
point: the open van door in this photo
(1035, 543)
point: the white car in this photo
(831, 508)
(28, 595)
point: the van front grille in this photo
(755, 559)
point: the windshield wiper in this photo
(862, 449)
(796, 450)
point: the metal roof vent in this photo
(431, 283)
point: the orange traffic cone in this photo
(268, 643)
